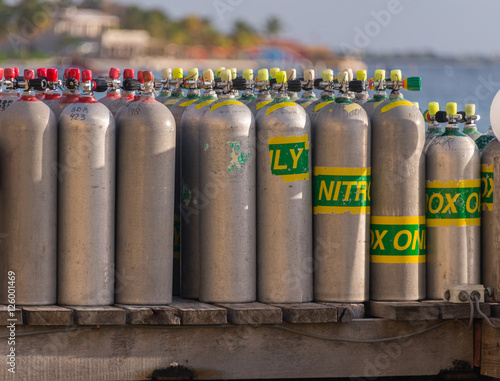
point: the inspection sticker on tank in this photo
(238, 159)
(341, 190)
(394, 104)
(289, 157)
(487, 187)
(453, 202)
(397, 239)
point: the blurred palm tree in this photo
(273, 26)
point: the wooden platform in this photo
(249, 340)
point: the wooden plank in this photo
(347, 312)
(239, 352)
(151, 315)
(47, 315)
(193, 312)
(490, 350)
(403, 311)
(99, 315)
(7, 317)
(252, 313)
(459, 310)
(308, 313)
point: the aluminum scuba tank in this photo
(469, 117)
(341, 200)
(227, 172)
(453, 182)
(166, 92)
(264, 95)
(191, 196)
(52, 96)
(308, 95)
(177, 106)
(397, 269)
(434, 118)
(113, 84)
(126, 95)
(362, 97)
(327, 84)
(249, 93)
(10, 94)
(28, 198)
(145, 200)
(86, 210)
(378, 85)
(284, 194)
(489, 223)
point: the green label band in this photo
(289, 157)
(453, 203)
(487, 187)
(398, 240)
(340, 190)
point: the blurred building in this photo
(84, 23)
(124, 43)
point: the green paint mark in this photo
(487, 178)
(205, 146)
(186, 194)
(237, 159)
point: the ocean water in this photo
(449, 81)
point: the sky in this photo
(444, 27)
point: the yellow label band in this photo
(487, 168)
(277, 106)
(341, 210)
(352, 107)
(342, 171)
(392, 105)
(398, 258)
(397, 220)
(454, 222)
(453, 184)
(172, 101)
(305, 104)
(190, 102)
(262, 104)
(205, 103)
(225, 103)
(321, 105)
(290, 139)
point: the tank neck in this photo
(327, 96)
(361, 96)
(396, 95)
(470, 127)
(209, 94)
(309, 94)
(281, 97)
(452, 130)
(177, 93)
(29, 95)
(264, 95)
(193, 94)
(229, 95)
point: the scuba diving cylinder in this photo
(284, 194)
(362, 97)
(490, 244)
(327, 84)
(484, 139)
(227, 171)
(291, 75)
(113, 84)
(434, 118)
(191, 197)
(470, 118)
(86, 210)
(177, 106)
(145, 200)
(166, 92)
(51, 95)
(71, 92)
(28, 198)
(126, 95)
(453, 188)
(264, 95)
(177, 82)
(10, 93)
(397, 233)
(377, 84)
(341, 200)
(249, 93)
(308, 95)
